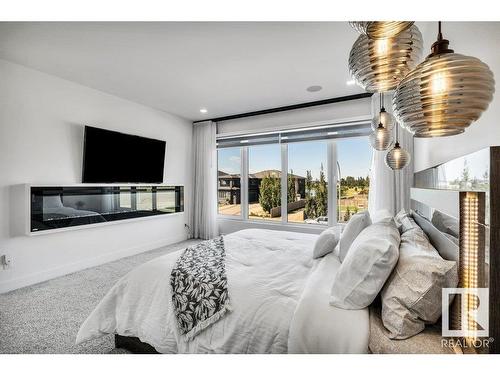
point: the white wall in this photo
(41, 136)
(481, 40)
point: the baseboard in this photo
(38, 277)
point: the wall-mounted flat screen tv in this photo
(110, 156)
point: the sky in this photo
(354, 156)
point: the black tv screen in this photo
(110, 156)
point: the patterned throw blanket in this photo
(199, 287)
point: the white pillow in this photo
(325, 243)
(356, 224)
(368, 264)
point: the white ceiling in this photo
(180, 67)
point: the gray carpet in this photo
(45, 318)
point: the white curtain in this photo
(390, 189)
(382, 191)
(404, 177)
(205, 180)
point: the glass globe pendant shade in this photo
(397, 158)
(381, 138)
(444, 94)
(380, 29)
(385, 118)
(378, 65)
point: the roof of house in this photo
(228, 175)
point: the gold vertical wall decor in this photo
(471, 257)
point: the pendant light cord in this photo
(396, 125)
(440, 35)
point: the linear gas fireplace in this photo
(59, 207)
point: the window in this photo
(229, 181)
(264, 182)
(307, 184)
(251, 185)
(354, 159)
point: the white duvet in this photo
(279, 296)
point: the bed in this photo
(281, 295)
(278, 292)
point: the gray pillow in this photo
(356, 224)
(325, 243)
(368, 264)
(412, 295)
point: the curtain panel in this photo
(205, 180)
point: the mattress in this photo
(278, 292)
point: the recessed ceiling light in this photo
(244, 141)
(351, 82)
(314, 88)
(203, 110)
(333, 133)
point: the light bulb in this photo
(397, 158)
(439, 83)
(386, 119)
(380, 29)
(397, 154)
(444, 94)
(378, 65)
(382, 45)
(381, 138)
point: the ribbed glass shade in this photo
(380, 29)
(443, 95)
(397, 158)
(381, 139)
(378, 65)
(384, 118)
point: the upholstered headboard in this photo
(446, 247)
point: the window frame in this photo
(332, 176)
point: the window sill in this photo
(228, 224)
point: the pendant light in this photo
(378, 65)
(380, 29)
(397, 157)
(444, 94)
(385, 118)
(381, 138)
